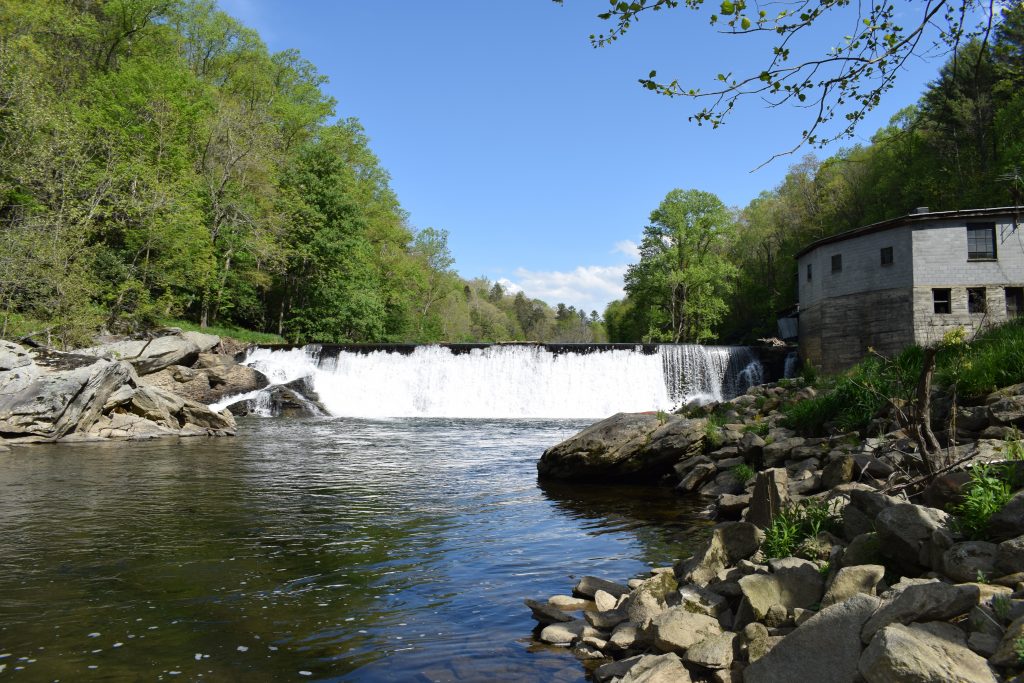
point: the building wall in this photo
(837, 332)
(862, 269)
(929, 326)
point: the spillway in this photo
(509, 381)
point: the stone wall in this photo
(837, 332)
(929, 326)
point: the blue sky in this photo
(539, 154)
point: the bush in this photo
(988, 491)
(796, 523)
(743, 472)
(994, 359)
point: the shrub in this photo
(759, 427)
(994, 359)
(743, 472)
(796, 523)
(985, 494)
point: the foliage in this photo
(759, 427)
(797, 523)
(995, 359)
(988, 491)
(743, 472)
(1018, 649)
(230, 331)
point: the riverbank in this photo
(833, 558)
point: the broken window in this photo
(942, 300)
(975, 299)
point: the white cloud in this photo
(509, 286)
(586, 287)
(629, 248)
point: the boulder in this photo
(730, 542)
(589, 585)
(651, 598)
(1008, 522)
(1007, 654)
(850, 581)
(715, 652)
(625, 636)
(547, 614)
(826, 647)
(567, 632)
(922, 602)
(795, 583)
(968, 560)
(204, 342)
(606, 673)
(667, 668)
(778, 451)
(839, 471)
(1007, 411)
(676, 629)
(697, 476)
(769, 497)
(610, 450)
(702, 601)
(13, 356)
(906, 534)
(147, 355)
(923, 653)
(1010, 556)
(863, 549)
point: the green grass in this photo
(993, 360)
(796, 523)
(759, 427)
(229, 331)
(988, 491)
(743, 472)
(1018, 648)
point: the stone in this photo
(905, 532)
(730, 506)
(697, 476)
(676, 629)
(725, 483)
(777, 616)
(755, 641)
(567, 632)
(923, 653)
(625, 636)
(983, 619)
(826, 647)
(849, 581)
(700, 600)
(1010, 556)
(606, 620)
(1007, 411)
(983, 644)
(769, 497)
(204, 342)
(778, 451)
(863, 549)
(922, 602)
(730, 542)
(589, 585)
(147, 355)
(839, 471)
(796, 584)
(651, 598)
(1007, 523)
(968, 560)
(667, 668)
(716, 652)
(622, 447)
(568, 603)
(604, 601)
(606, 673)
(1006, 654)
(946, 491)
(13, 356)
(545, 613)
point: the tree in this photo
(683, 276)
(838, 87)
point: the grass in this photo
(1018, 648)
(759, 427)
(796, 523)
(743, 472)
(229, 331)
(994, 359)
(988, 491)
(713, 429)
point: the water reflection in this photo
(324, 549)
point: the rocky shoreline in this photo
(886, 586)
(127, 389)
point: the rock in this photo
(1007, 523)
(730, 542)
(724, 483)
(730, 506)
(676, 629)
(667, 668)
(565, 633)
(751, 447)
(625, 636)
(922, 602)
(905, 532)
(700, 600)
(983, 644)
(863, 549)
(697, 476)
(606, 673)
(567, 603)
(546, 614)
(13, 356)
(589, 585)
(826, 647)
(606, 620)
(613, 449)
(204, 342)
(769, 497)
(924, 653)
(850, 581)
(716, 652)
(147, 355)
(968, 560)
(650, 599)
(1006, 654)
(604, 600)
(839, 471)
(56, 394)
(756, 641)
(983, 619)
(1010, 556)
(946, 491)
(778, 451)
(796, 584)
(1007, 411)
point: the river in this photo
(331, 549)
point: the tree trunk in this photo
(922, 428)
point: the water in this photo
(521, 381)
(309, 549)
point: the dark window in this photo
(1014, 301)
(981, 241)
(837, 263)
(975, 299)
(886, 256)
(809, 272)
(941, 299)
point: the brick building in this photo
(908, 280)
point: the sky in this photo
(540, 155)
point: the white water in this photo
(520, 381)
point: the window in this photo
(975, 299)
(941, 299)
(837, 263)
(886, 256)
(981, 241)
(809, 272)
(1014, 301)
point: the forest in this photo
(159, 164)
(708, 273)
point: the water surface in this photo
(309, 549)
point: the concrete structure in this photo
(908, 281)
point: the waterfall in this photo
(511, 381)
(792, 363)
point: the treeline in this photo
(707, 275)
(158, 162)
